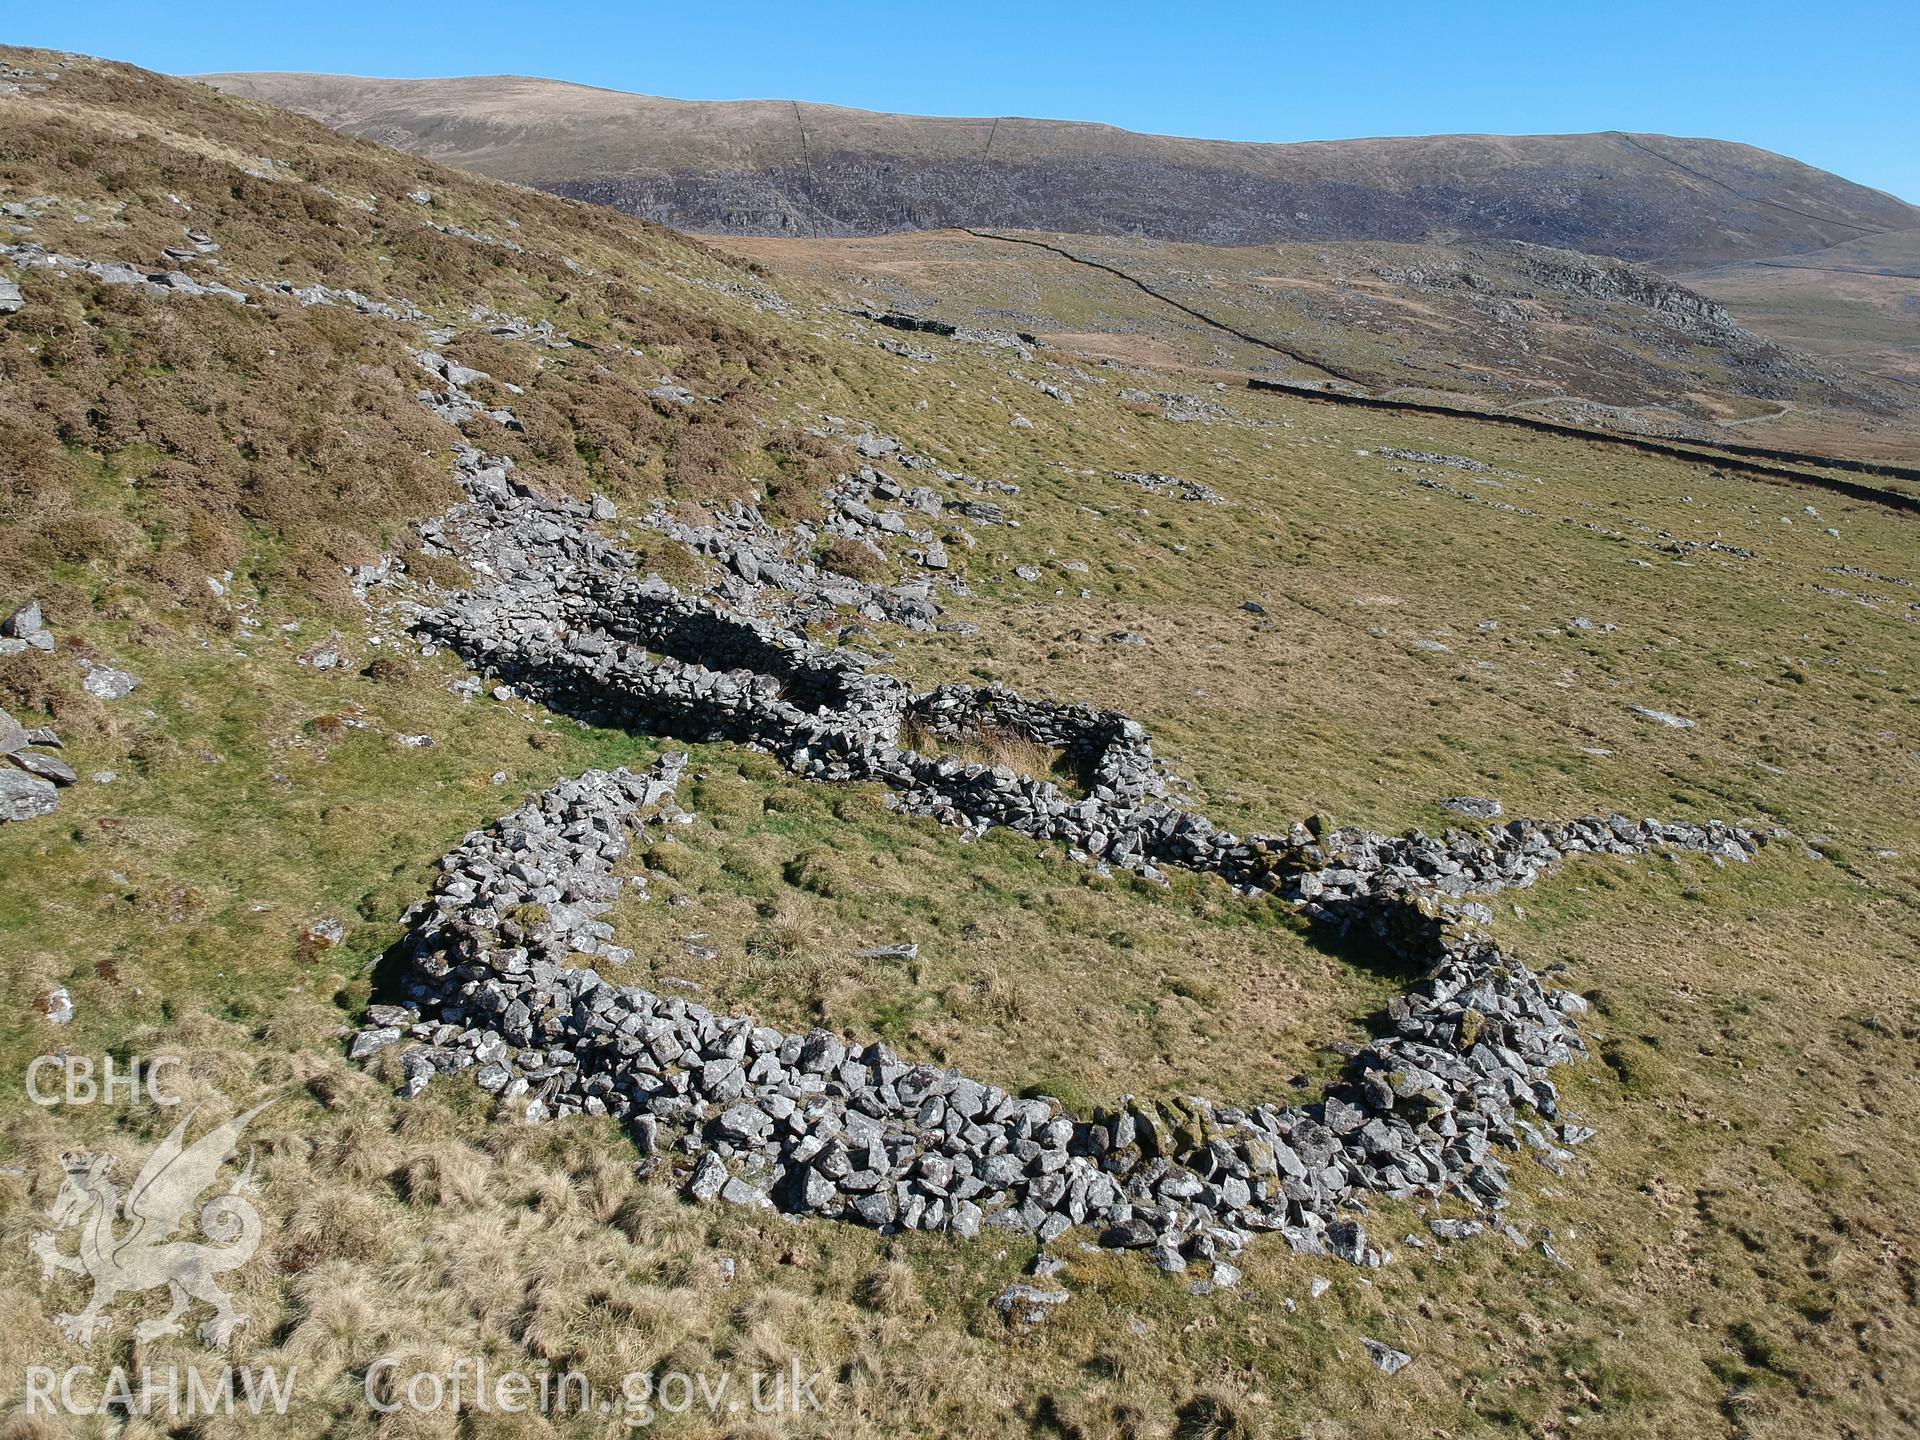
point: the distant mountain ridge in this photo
(777, 167)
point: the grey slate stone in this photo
(708, 1178)
(24, 621)
(103, 682)
(47, 767)
(1390, 1360)
(24, 796)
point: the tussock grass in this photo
(994, 745)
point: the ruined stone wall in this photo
(821, 1124)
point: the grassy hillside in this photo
(1513, 327)
(1858, 302)
(774, 167)
(1735, 1248)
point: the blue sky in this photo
(1835, 84)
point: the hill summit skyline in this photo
(781, 167)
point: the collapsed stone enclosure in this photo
(819, 1124)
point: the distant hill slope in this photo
(1858, 302)
(774, 167)
(1548, 332)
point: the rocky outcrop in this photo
(1615, 280)
(31, 776)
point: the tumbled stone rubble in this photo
(30, 256)
(478, 237)
(454, 404)
(1454, 462)
(31, 775)
(1019, 341)
(1172, 486)
(817, 1124)
(1182, 409)
(767, 570)
(820, 1125)
(310, 295)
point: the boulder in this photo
(1130, 1234)
(25, 797)
(369, 1042)
(23, 622)
(47, 767)
(1662, 717)
(708, 1179)
(1024, 1304)
(326, 932)
(103, 682)
(1390, 1360)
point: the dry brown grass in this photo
(848, 556)
(994, 745)
(209, 426)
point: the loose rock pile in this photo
(893, 320)
(769, 571)
(30, 776)
(1427, 457)
(25, 629)
(29, 256)
(400, 309)
(1172, 486)
(454, 404)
